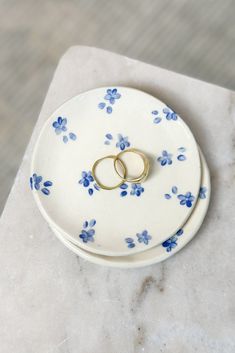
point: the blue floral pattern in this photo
(88, 181)
(111, 96)
(130, 242)
(60, 126)
(165, 158)
(122, 141)
(88, 231)
(186, 199)
(170, 114)
(171, 243)
(35, 183)
(202, 192)
(142, 237)
(136, 190)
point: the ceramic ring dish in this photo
(133, 218)
(163, 251)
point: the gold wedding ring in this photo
(123, 173)
(99, 183)
(143, 174)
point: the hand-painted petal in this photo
(55, 124)
(65, 139)
(182, 149)
(180, 232)
(64, 122)
(85, 224)
(181, 157)
(157, 120)
(90, 191)
(38, 179)
(91, 232)
(92, 223)
(123, 193)
(48, 183)
(96, 187)
(109, 110)
(129, 240)
(45, 191)
(58, 131)
(131, 245)
(101, 105)
(72, 136)
(109, 136)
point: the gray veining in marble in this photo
(51, 301)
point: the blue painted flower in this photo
(130, 242)
(122, 142)
(87, 233)
(137, 189)
(186, 199)
(144, 237)
(170, 243)
(86, 179)
(165, 158)
(35, 183)
(111, 95)
(170, 114)
(202, 192)
(156, 119)
(60, 125)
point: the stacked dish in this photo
(139, 222)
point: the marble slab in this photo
(53, 301)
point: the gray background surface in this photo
(192, 37)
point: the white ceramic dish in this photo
(122, 221)
(160, 252)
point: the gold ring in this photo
(123, 167)
(143, 174)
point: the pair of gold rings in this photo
(121, 169)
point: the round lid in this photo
(135, 216)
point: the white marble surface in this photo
(52, 301)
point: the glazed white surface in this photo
(53, 301)
(69, 204)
